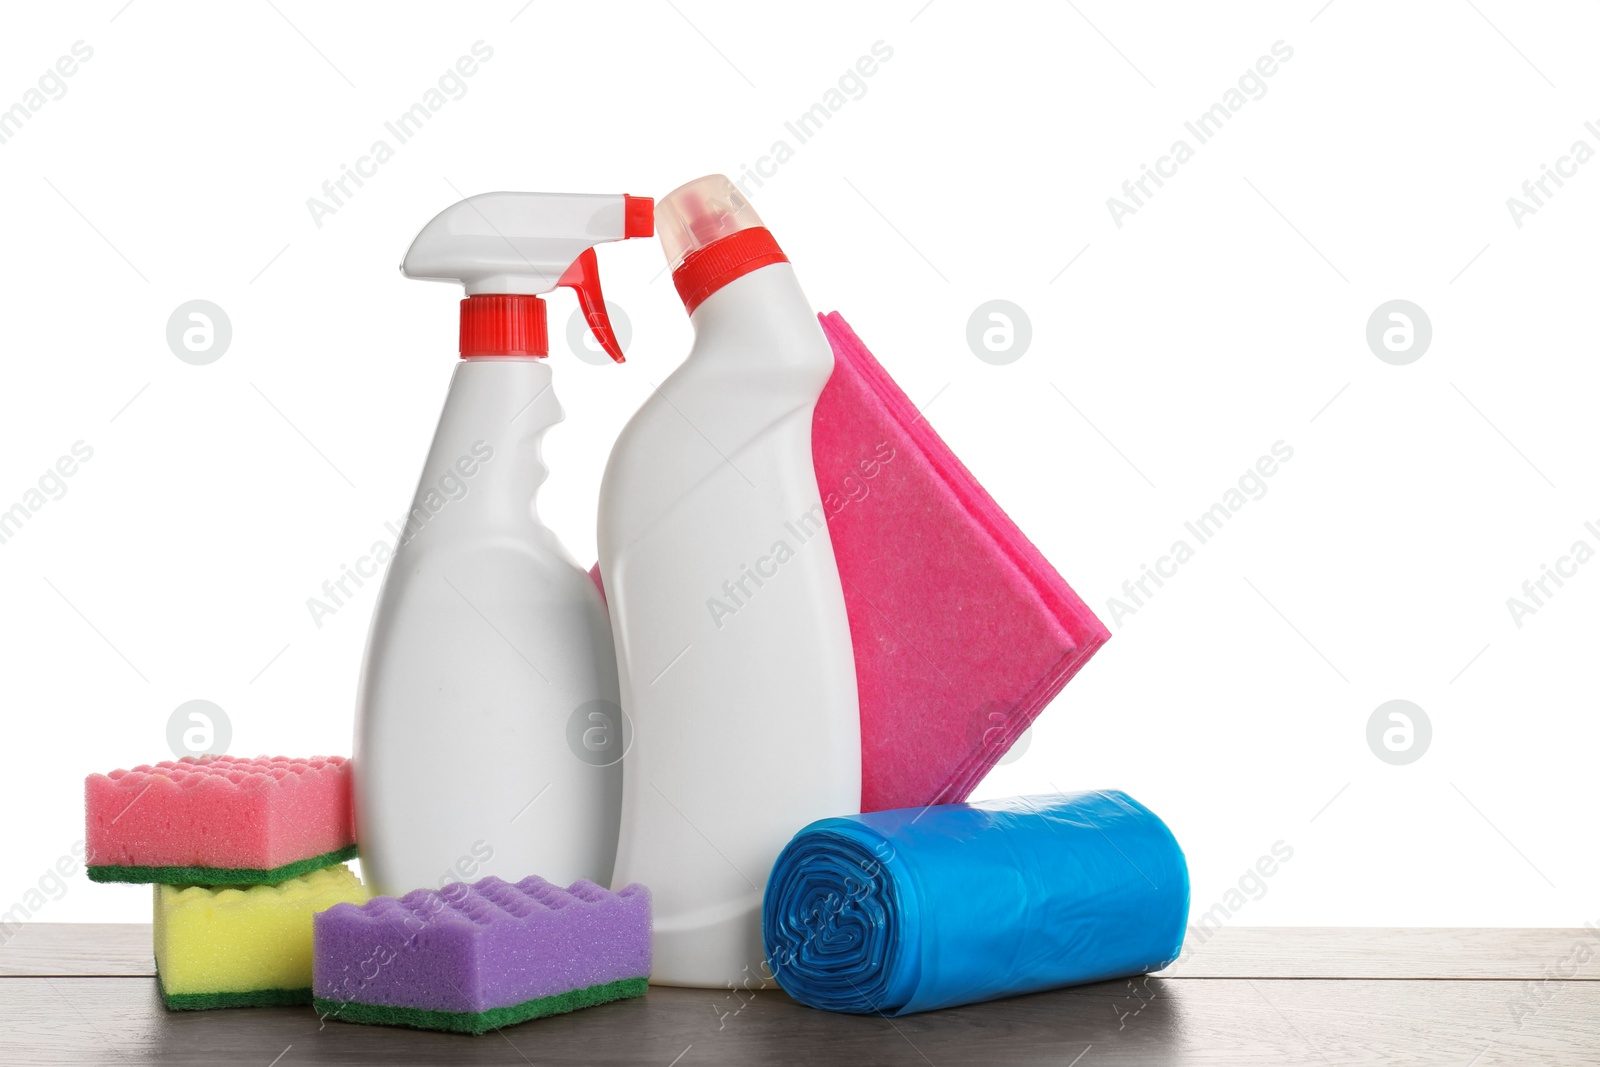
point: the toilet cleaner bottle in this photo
(488, 738)
(733, 646)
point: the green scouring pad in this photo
(220, 875)
(481, 1022)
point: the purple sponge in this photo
(472, 958)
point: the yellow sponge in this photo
(232, 946)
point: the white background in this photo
(1227, 314)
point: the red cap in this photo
(707, 269)
(503, 324)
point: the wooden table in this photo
(85, 994)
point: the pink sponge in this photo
(963, 632)
(219, 820)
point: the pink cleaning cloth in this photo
(963, 632)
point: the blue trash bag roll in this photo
(895, 912)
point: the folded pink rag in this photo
(963, 632)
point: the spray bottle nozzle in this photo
(518, 246)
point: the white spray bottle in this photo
(488, 737)
(733, 646)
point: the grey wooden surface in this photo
(83, 994)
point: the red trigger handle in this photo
(583, 278)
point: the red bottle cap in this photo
(705, 270)
(712, 236)
(503, 324)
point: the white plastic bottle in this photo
(733, 646)
(488, 735)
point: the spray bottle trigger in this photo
(583, 278)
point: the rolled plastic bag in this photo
(902, 911)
